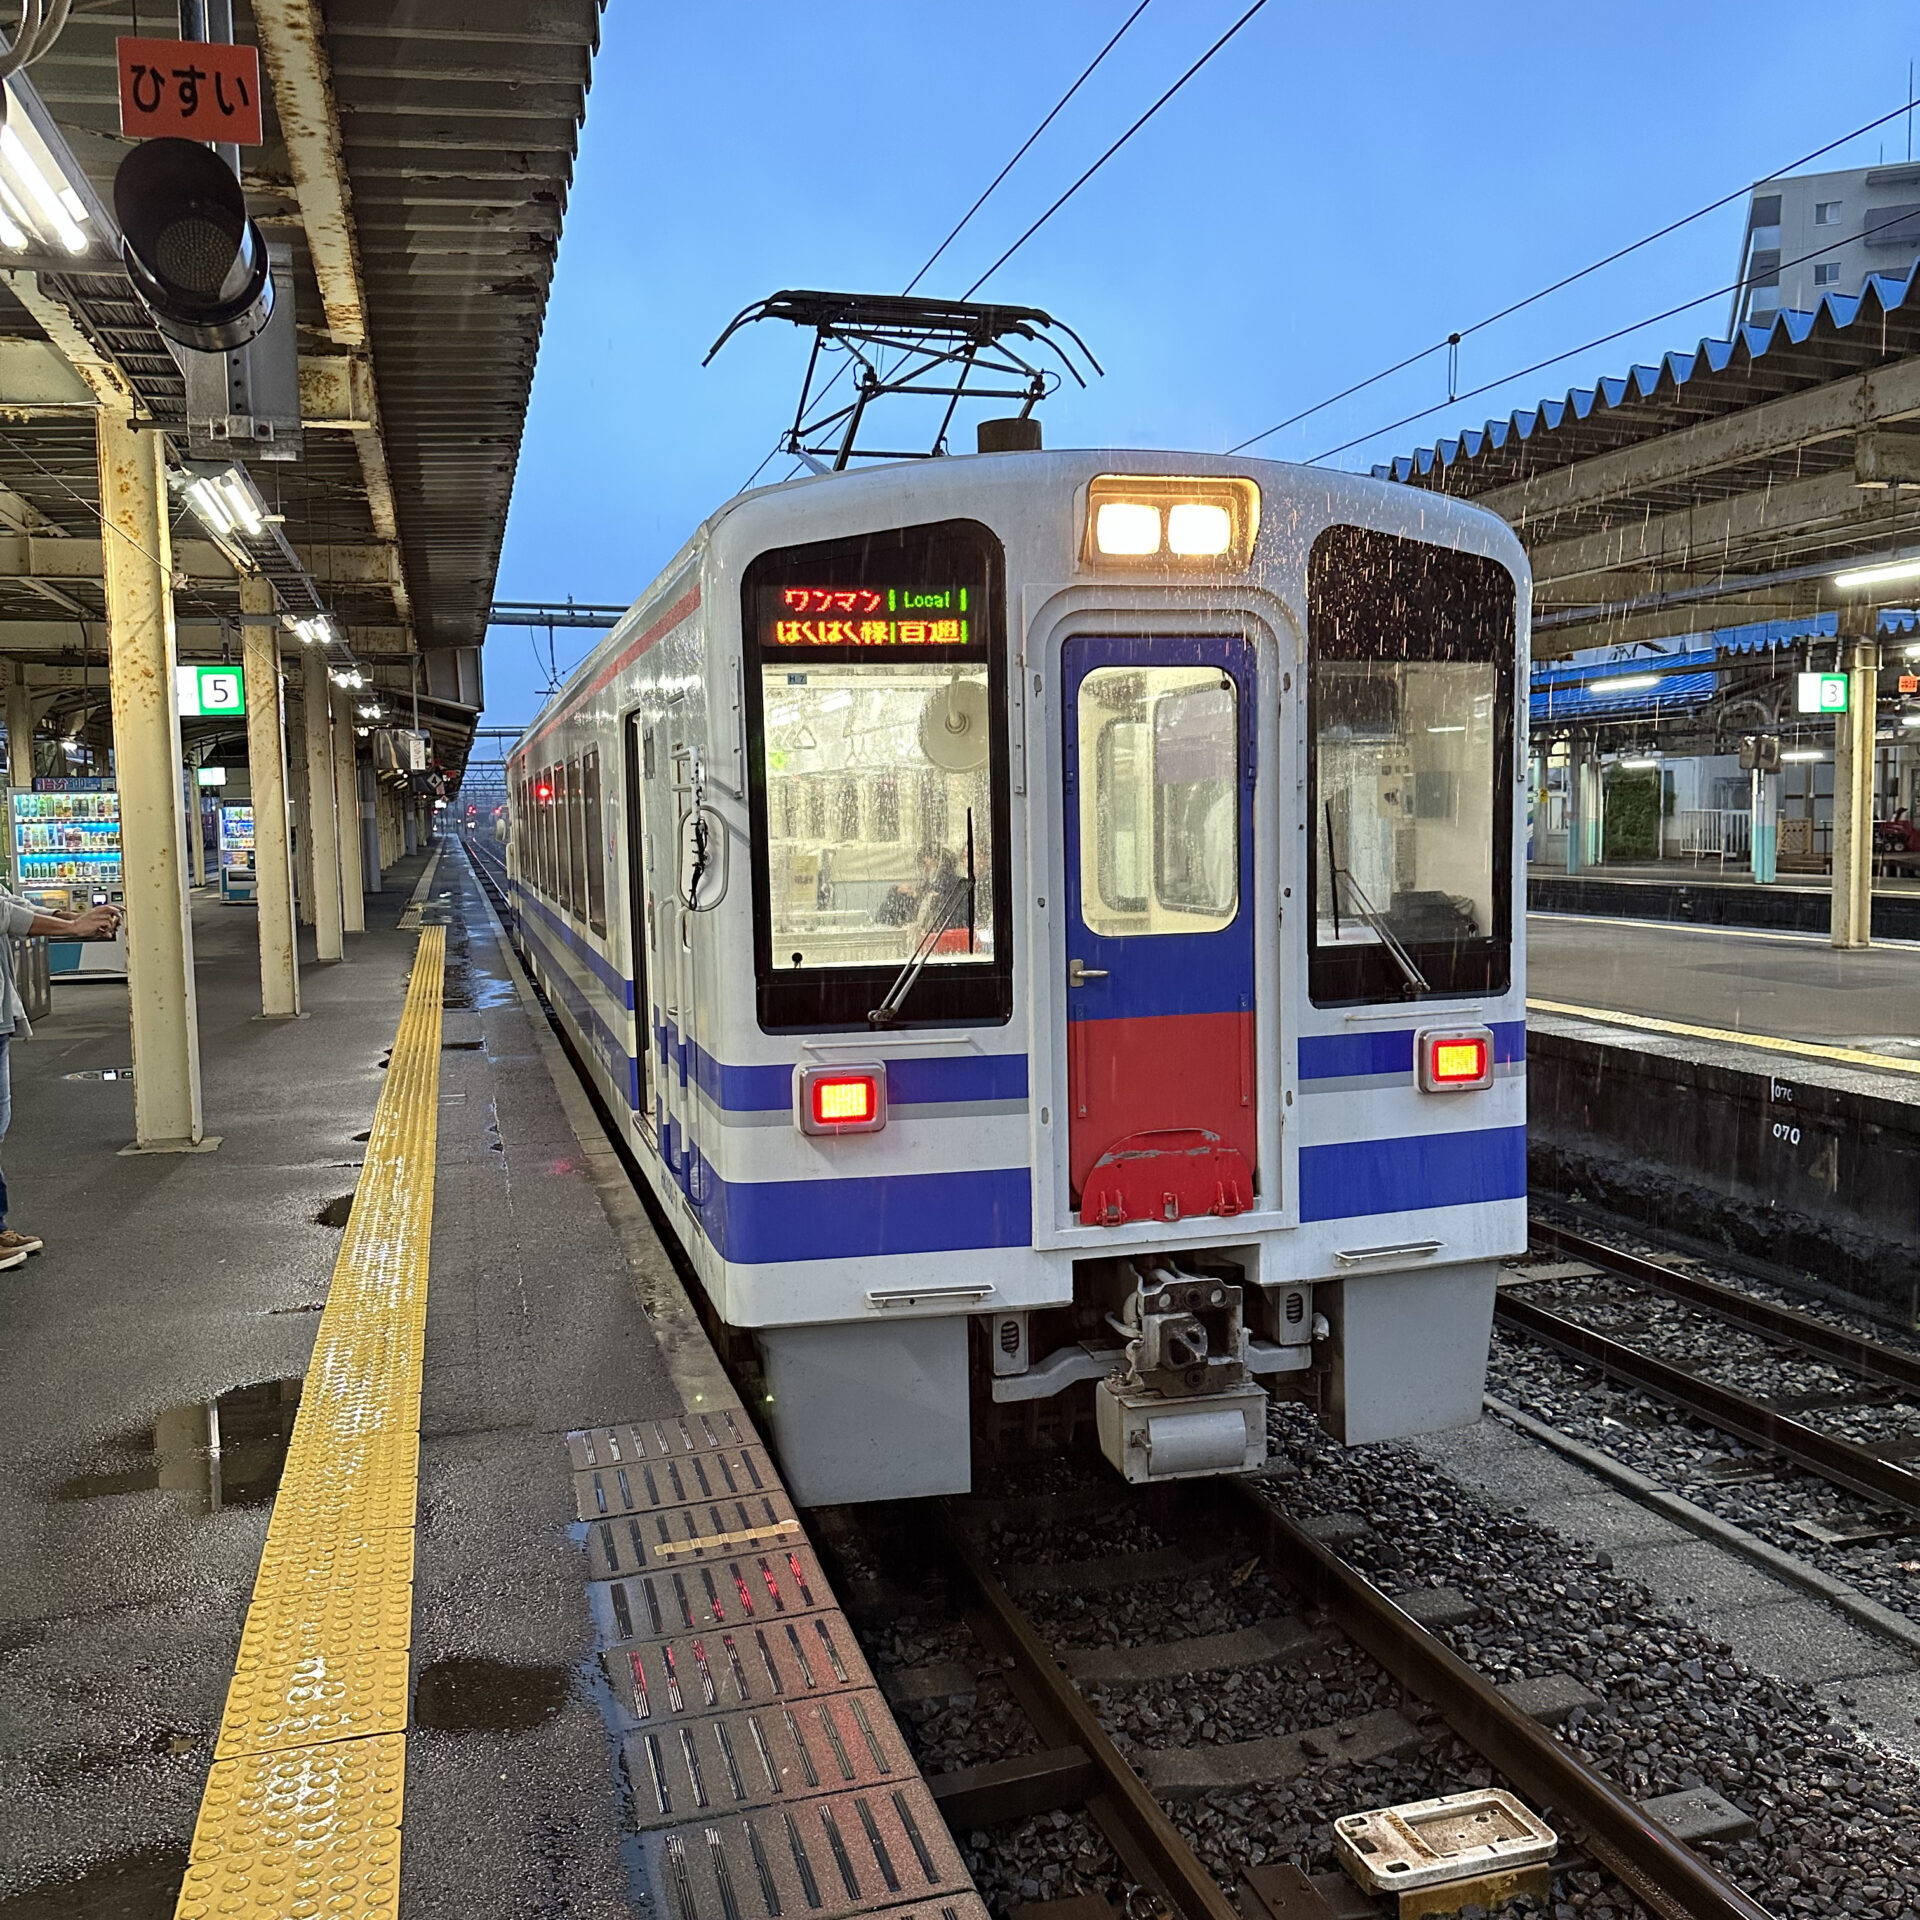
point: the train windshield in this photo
(876, 699)
(1410, 714)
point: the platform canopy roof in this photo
(417, 161)
(1715, 487)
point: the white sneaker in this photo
(17, 1258)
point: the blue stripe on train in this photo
(754, 1222)
(1356, 1177)
(603, 969)
(611, 1047)
(1342, 1056)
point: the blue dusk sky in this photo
(1339, 188)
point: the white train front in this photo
(1049, 926)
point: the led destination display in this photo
(871, 617)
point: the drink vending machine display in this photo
(236, 855)
(64, 849)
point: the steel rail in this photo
(1840, 1461)
(1148, 1844)
(1729, 1303)
(1657, 1869)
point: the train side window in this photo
(878, 778)
(576, 842)
(1160, 820)
(593, 844)
(549, 834)
(1410, 720)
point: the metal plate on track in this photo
(829, 1856)
(755, 1663)
(646, 1486)
(783, 1752)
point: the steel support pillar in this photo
(195, 823)
(19, 728)
(346, 801)
(1586, 808)
(1763, 854)
(323, 832)
(370, 827)
(1852, 923)
(137, 563)
(272, 828)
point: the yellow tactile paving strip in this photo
(301, 1815)
(1733, 1036)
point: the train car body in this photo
(1051, 924)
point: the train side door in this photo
(1158, 772)
(640, 913)
(676, 928)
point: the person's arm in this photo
(20, 919)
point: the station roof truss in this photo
(417, 161)
(902, 346)
(1715, 487)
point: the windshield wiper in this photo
(952, 908)
(1385, 934)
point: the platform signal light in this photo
(193, 253)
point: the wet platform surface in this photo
(591, 1499)
(1785, 986)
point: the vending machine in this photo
(237, 879)
(65, 852)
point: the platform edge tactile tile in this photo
(282, 1836)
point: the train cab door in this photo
(1159, 950)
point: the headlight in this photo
(1177, 522)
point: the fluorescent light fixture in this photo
(236, 491)
(211, 506)
(1196, 527)
(1459, 729)
(1631, 683)
(1127, 527)
(1877, 575)
(1641, 765)
(1806, 754)
(41, 191)
(1910, 719)
(836, 702)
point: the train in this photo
(1048, 927)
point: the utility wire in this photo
(1021, 152)
(1605, 339)
(1115, 148)
(1507, 312)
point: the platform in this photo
(1704, 894)
(484, 1723)
(1757, 1090)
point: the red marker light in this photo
(851, 1099)
(543, 792)
(837, 1102)
(1457, 1061)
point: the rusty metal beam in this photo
(1770, 430)
(292, 38)
(1708, 537)
(336, 391)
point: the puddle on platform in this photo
(368, 1135)
(210, 1453)
(336, 1212)
(467, 1694)
(144, 1885)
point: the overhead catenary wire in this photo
(1559, 286)
(1587, 346)
(1019, 154)
(1257, 6)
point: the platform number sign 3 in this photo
(216, 692)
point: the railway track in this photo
(1077, 1762)
(1843, 1374)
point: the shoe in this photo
(22, 1243)
(18, 1258)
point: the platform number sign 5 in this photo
(211, 692)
